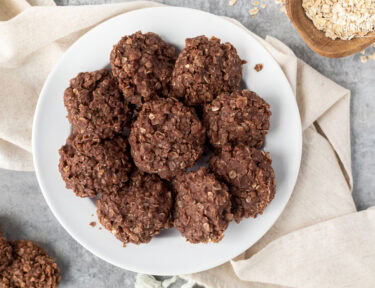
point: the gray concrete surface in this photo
(24, 213)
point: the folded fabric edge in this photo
(342, 131)
(31, 23)
(359, 224)
(14, 158)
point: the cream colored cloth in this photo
(319, 240)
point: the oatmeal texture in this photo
(5, 253)
(95, 105)
(89, 167)
(250, 177)
(240, 117)
(139, 211)
(204, 69)
(31, 267)
(342, 19)
(167, 138)
(203, 207)
(143, 65)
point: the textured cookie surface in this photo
(204, 69)
(143, 65)
(240, 117)
(203, 207)
(95, 105)
(167, 138)
(90, 167)
(5, 253)
(250, 178)
(138, 212)
(31, 267)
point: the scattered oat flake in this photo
(93, 224)
(264, 6)
(254, 11)
(256, 3)
(92, 215)
(372, 56)
(258, 67)
(363, 59)
(363, 52)
(232, 2)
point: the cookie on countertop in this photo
(139, 211)
(31, 267)
(202, 208)
(89, 167)
(205, 68)
(25, 264)
(5, 253)
(167, 138)
(250, 178)
(143, 65)
(95, 105)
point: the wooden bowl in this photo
(317, 40)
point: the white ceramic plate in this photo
(168, 253)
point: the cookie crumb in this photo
(264, 6)
(93, 224)
(92, 215)
(363, 52)
(100, 228)
(372, 56)
(256, 3)
(232, 2)
(258, 67)
(283, 9)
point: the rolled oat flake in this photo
(343, 19)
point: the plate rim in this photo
(41, 182)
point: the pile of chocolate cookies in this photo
(138, 129)
(25, 264)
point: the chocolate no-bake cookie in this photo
(167, 138)
(89, 167)
(30, 267)
(5, 253)
(240, 117)
(250, 177)
(204, 69)
(143, 65)
(203, 206)
(138, 212)
(166, 103)
(95, 105)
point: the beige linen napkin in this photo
(319, 240)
